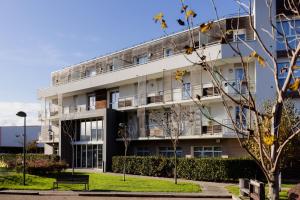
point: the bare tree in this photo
(172, 121)
(253, 124)
(68, 127)
(124, 133)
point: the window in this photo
(82, 131)
(100, 130)
(168, 52)
(239, 35)
(92, 102)
(186, 91)
(91, 130)
(241, 117)
(206, 151)
(88, 131)
(169, 152)
(142, 151)
(142, 59)
(283, 71)
(91, 72)
(94, 130)
(240, 85)
(291, 29)
(114, 99)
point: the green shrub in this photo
(206, 169)
(41, 167)
(35, 163)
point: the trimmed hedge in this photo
(204, 169)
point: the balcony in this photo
(46, 137)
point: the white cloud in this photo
(8, 112)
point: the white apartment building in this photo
(90, 99)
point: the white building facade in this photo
(89, 100)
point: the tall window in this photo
(241, 116)
(114, 99)
(186, 91)
(92, 102)
(94, 130)
(82, 131)
(204, 152)
(239, 79)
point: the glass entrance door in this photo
(89, 156)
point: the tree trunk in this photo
(274, 186)
(175, 165)
(72, 159)
(124, 164)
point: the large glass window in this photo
(100, 130)
(99, 156)
(78, 156)
(283, 71)
(88, 131)
(291, 30)
(142, 151)
(94, 130)
(169, 152)
(88, 156)
(207, 151)
(95, 156)
(82, 131)
(91, 130)
(83, 156)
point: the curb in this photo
(18, 193)
(153, 195)
(117, 194)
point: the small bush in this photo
(206, 169)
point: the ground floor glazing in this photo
(88, 156)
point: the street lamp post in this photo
(23, 114)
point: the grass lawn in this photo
(234, 189)
(100, 182)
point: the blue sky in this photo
(40, 36)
